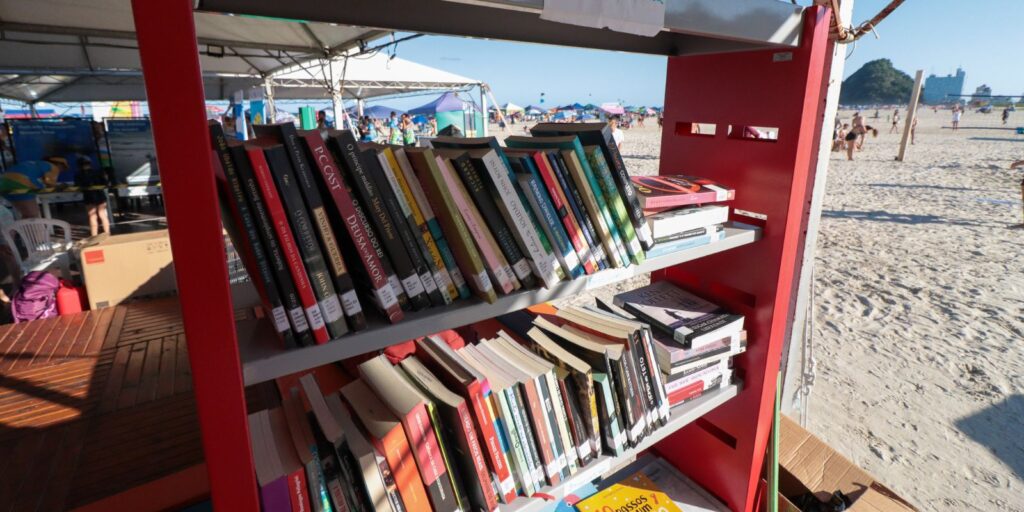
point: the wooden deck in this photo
(94, 404)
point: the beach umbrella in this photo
(613, 109)
(589, 106)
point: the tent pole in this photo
(483, 109)
(360, 105)
(268, 88)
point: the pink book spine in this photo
(468, 210)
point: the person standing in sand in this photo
(957, 112)
(913, 129)
(895, 122)
(859, 129)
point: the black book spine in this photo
(410, 239)
(471, 172)
(679, 236)
(645, 382)
(251, 238)
(345, 145)
(558, 448)
(626, 190)
(580, 438)
(300, 158)
(626, 390)
(275, 255)
(579, 209)
(305, 237)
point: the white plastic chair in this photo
(36, 247)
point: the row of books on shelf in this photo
(507, 407)
(327, 224)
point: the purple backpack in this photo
(36, 297)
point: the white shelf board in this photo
(606, 464)
(264, 359)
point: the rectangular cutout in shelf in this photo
(263, 359)
(693, 129)
(604, 465)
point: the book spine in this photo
(496, 459)
(487, 204)
(626, 190)
(611, 426)
(587, 180)
(690, 233)
(360, 236)
(561, 424)
(263, 275)
(390, 485)
(385, 261)
(552, 430)
(343, 285)
(375, 170)
(527, 437)
(657, 381)
(274, 496)
(306, 240)
(396, 449)
(419, 224)
(454, 477)
(541, 205)
(513, 207)
(533, 405)
(297, 490)
(580, 435)
(427, 453)
(433, 226)
(484, 487)
(644, 381)
(467, 257)
(605, 258)
(289, 249)
(564, 214)
(625, 384)
(345, 144)
(519, 456)
(320, 498)
(617, 209)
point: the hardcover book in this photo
(674, 190)
(688, 318)
(680, 220)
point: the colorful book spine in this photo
(539, 201)
(543, 169)
(617, 207)
(606, 258)
(345, 145)
(433, 227)
(611, 427)
(585, 178)
(289, 249)
(346, 209)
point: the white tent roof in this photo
(512, 107)
(365, 77)
(48, 46)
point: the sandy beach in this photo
(919, 310)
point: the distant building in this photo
(939, 90)
(983, 94)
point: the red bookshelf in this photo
(732, 63)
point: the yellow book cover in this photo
(636, 493)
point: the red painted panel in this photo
(174, 88)
(781, 89)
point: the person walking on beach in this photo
(895, 122)
(617, 134)
(1006, 115)
(913, 130)
(957, 112)
(408, 131)
(394, 130)
(859, 129)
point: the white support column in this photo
(483, 109)
(268, 93)
(360, 105)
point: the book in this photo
(335, 453)
(538, 164)
(374, 163)
(513, 205)
(680, 220)
(381, 491)
(386, 434)
(405, 402)
(427, 169)
(288, 136)
(613, 427)
(421, 203)
(507, 425)
(343, 206)
(660, 482)
(658, 193)
(292, 467)
(464, 379)
(540, 202)
(258, 262)
(366, 188)
(458, 425)
(270, 474)
(617, 215)
(311, 311)
(595, 210)
(497, 265)
(673, 358)
(688, 318)
(692, 383)
(578, 207)
(600, 134)
(306, 448)
(706, 236)
(471, 172)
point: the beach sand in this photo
(919, 310)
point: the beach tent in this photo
(376, 111)
(612, 109)
(534, 111)
(451, 110)
(588, 117)
(512, 107)
(561, 115)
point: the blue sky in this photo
(985, 37)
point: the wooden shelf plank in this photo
(606, 464)
(263, 358)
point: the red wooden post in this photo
(174, 88)
(780, 89)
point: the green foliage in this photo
(876, 82)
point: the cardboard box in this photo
(121, 267)
(807, 464)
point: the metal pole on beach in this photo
(915, 96)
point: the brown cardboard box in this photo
(121, 267)
(807, 464)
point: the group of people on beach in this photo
(851, 136)
(393, 130)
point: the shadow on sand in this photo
(998, 429)
(899, 218)
(931, 187)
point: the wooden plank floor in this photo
(93, 404)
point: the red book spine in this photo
(558, 201)
(397, 453)
(297, 490)
(427, 453)
(547, 455)
(478, 457)
(343, 203)
(492, 446)
(291, 251)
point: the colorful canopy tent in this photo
(512, 107)
(376, 111)
(612, 109)
(534, 111)
(451, 110)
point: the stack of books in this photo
(532, 401)
(327, 226)
(649, 481)
(680, 213)
(694, 340)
